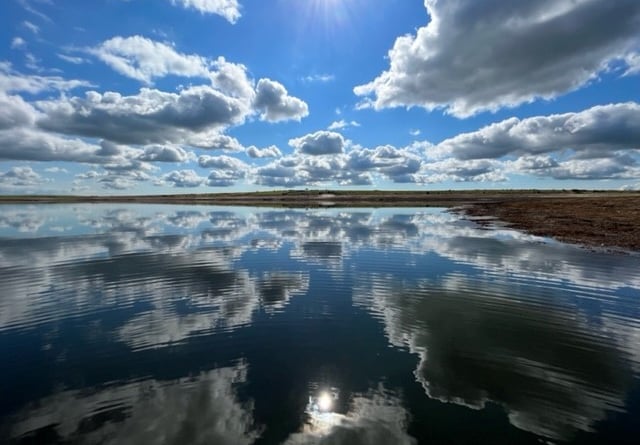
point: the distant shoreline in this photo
(307, 198)
(601, 219)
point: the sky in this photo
(194, 96)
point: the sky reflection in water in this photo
(168, 324)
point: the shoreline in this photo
(597, 219)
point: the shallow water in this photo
(172, 325)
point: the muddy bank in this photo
(608, 221)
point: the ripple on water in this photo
(207, 325)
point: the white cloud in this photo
(31, 27)
(474, 170)
(633, 64)
(145, 59)
(151, 116)
(592, 133)
(32, 62)
(13, 81)
(268, 152)
(27, 6)
(322, 78)
(222, 162)
(398, 165)
(56, 170)
(18, 43)
(165, 153)
(226, 170)
(72, 59)
(229, 9)
(15, 112)
(215, 141)
(631, 187)
(21, 140)
(232, 79)
(20, 177)
(338, 125)
(29, 144)
(615, 167)
(275, 104)
(300, 169)
(415, 132)
(477, 55)
(183, 178)
(319, 143)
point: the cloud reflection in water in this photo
(478, 342)
(545, 330)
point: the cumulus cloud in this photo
(592, 133)
(319, 143)
(298, 170)
(232, 79)
(226, 170)
(229, 9)
(195, 115)
(183, 178)
(145, 59)
(21, 140)
(602, 142)
(399, 165)
(222, 162)
(32, 145)
(15, 112)
(124, 175)
(268, 152)
(164, 153)
(484, 55)
(20, 177)
(475, 170)
(616, 167)
(215, 141)
(274, 103)
(320, 158)
(151, 116)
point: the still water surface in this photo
(135, 324)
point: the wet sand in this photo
(602, 219)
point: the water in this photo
(173, 325)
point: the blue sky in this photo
(162, 96)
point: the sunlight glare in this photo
(325, 401)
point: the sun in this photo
(329, 13)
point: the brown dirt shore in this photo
(603, 219)
(609, 222)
